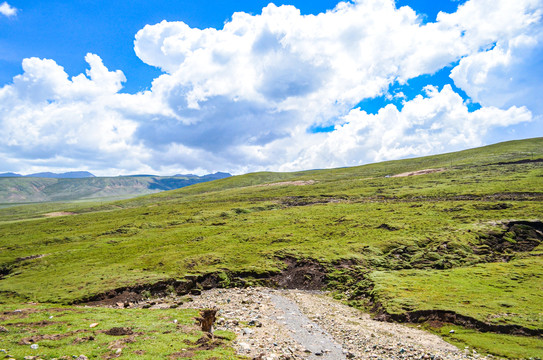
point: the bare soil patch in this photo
(300, 274)
(419, 172)
(59, 213)
(37, 338)
(450, 317)
(289, 183)
(119, 331)
(518, 236)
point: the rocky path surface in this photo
(307, 333)
(295, 324)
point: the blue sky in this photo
(125, 87)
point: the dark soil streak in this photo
(518, 236)
(451, 317)
(524, 161)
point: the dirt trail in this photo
(308, 334)
(295, 324)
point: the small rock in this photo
(245, 346)
(255, 323)
(34, 346)
(451, 332)
(3, 330)
(247, 331)
(81, 357)
(93, 325)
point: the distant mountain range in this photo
(50, 175)
(42, 187)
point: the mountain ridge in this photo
(29, 189)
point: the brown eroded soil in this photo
(419, 172)
(59, 213)
(287, 183)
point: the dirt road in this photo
(295, 324)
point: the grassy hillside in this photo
(465, 237)
(32, 189)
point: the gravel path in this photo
(295, 324)
(308, 334)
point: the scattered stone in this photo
(3, 329)
(34, 346)
(81, 357)
(93, 325)
(244, 346)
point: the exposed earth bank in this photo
(299, 324)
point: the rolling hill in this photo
(33, 188)
(452, 239)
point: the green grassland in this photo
(438, 241)
(66, 332)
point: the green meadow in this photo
(464, 237)
(72, 331)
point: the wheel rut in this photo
(317, 342)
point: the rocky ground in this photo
(295, 324)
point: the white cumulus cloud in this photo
(7, 10)
(243, 97)
(436, 122)
(510, 73)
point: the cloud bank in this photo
(242, 98)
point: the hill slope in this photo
(48, 188)
(454, 238)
